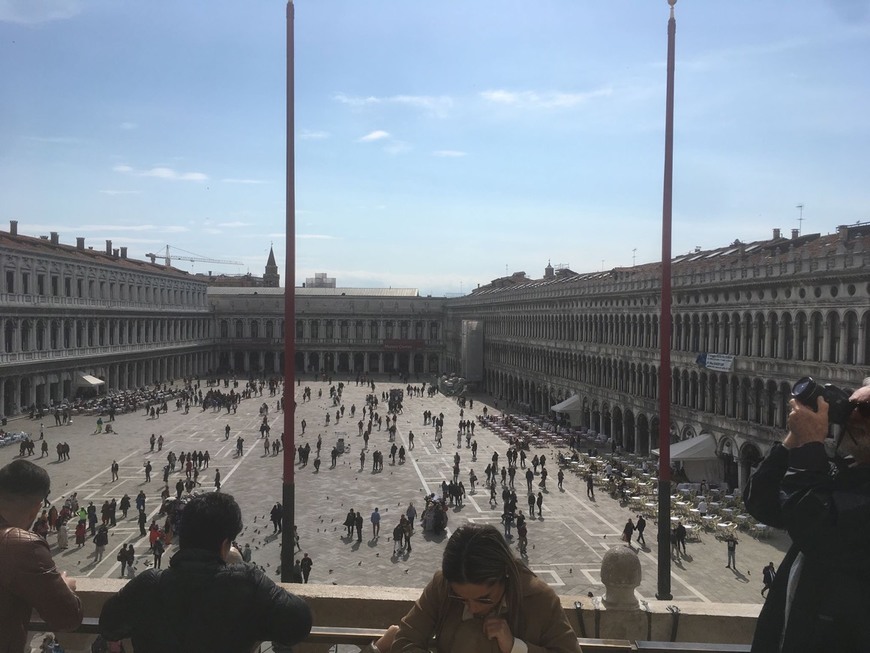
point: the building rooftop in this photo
(318, 292)
(777, 248)
(44, 246)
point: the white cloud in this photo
(376, 135)
(548, 100)
(32, 12)
(237, 223)
(128, 125)
(449, 153)
(120, 192)
(232, 180)
(436, 105)
(211, 230)
(161, 172)
(310, 135)
(308, 236)
(175, 229)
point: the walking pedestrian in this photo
(640, 526)
(731, 541)
(158, 549)
(101, 539)
(768, 574)
(306, 564)
(628, 531)
(376, 523)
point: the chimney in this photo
(795, 233)
(115, 252)
(109, 247)
(843, 232)
(55, 239)
(123, 252)
(80, 243)
(776, 234)
(13, 227)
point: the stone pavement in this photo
(566, 546)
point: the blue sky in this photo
(438, 144)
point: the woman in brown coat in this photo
(482, 596)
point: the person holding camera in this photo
(819, 598)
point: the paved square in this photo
(566, 546)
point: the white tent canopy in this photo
(87, 379)
(702, 447)
(698, 457)
(572, 404)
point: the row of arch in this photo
(837, 336)
(23, 334)
(98, 284)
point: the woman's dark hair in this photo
(209, 519)
(23, 479)
(478, 554)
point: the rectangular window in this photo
(80, 288)
(40, 284)
(25, 283)
(10, 281)
(67, 287)
(55, 286)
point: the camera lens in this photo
(803, 388)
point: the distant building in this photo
(74, 319)
(749, 319)
(270, 278)
(320, 280)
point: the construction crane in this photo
(167, 258)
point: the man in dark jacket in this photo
(818, 600)
(201, 603)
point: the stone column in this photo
(862, 346)
(842, 345)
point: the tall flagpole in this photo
(664, 531)
(288, 542)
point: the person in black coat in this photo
(201, 603)
(818, 600)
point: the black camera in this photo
(807, 391)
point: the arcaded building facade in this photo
(73, 317)
(774, 310)
(347, 331)
(748, 320)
